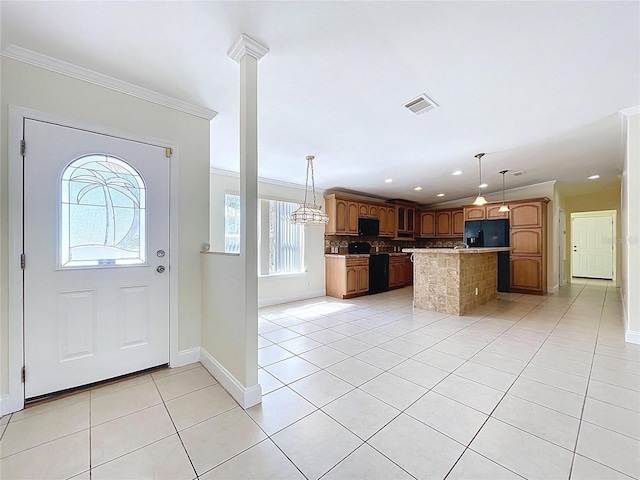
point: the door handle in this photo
(160, 269)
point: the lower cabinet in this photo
(526, 274)
(408, 270)
(396, 271)
(346, 276)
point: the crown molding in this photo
(245, 45)
(270, 181)
(53, 64)
(628, 112)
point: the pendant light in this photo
(309, 213)
(504, 207)
(480, 200)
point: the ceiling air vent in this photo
(421, 104)
(518, 173)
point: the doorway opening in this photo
(593, 245)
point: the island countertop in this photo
(456, 251)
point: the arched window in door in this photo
(102, 213)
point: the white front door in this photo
(96, 245)
(592, 239)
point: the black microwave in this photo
(368, 227)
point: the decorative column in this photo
(247, 52)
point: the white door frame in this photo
(14, 401)
(599, 213)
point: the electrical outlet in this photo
(476, 290)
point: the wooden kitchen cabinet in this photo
(443, 224)
(484, 212)
(427, 224)
(396, 271)
(343, 216)
(387, 218)
(475, 213)
(457, 222)
(408, 270)
(406, 218)
(494, 214)
(346, 276)
(528, 214)
(527, 239)
(527, 274)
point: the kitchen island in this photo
(454, 280)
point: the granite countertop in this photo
(457, 251)
(366, 255)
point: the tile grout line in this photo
(164, 404)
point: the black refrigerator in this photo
(491, 233)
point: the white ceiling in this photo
(536, 85)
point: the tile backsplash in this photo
(340, 243)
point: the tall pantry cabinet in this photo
(528, 222)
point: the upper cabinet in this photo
(484, 212)
(441, 223)
(387, 217)
(343, 216)
(475, 213)
(427, 224)
(406, 220)
(526, 215)
(457, 222)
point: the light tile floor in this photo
(524, 387)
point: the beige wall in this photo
(589, 202)
(277, 288)
(39, 89)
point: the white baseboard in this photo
(185, 357)
(9, 404)
(246, 397)
(553, 289)
(632, 337)
(266, 302)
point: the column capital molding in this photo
(245, 45)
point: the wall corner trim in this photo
(246, 397)
(59, 66)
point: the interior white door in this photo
(96, 245)
(592, 239)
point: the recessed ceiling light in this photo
(440, 195)
(594, 177)
(388, 180)
(457, 172)
(418, 188)
(483, 185)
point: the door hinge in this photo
(22, 147)
(168, 152)
(22, 261)
(24, 374)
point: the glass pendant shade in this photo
(480, 200)
(503, 208)
(309, 213)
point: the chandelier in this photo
(480, 200)
(309, 213)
